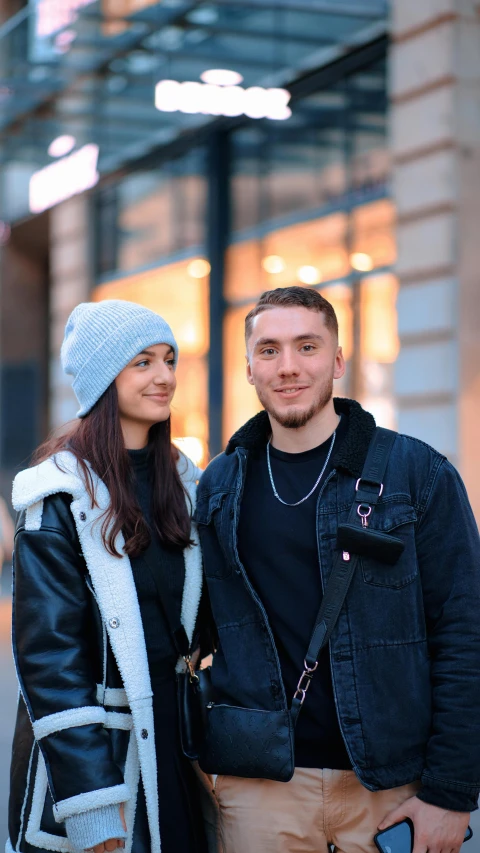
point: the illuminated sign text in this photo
(207, 99)
(64, 178)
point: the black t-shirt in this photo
(278, 547)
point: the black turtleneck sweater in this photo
(159, 569)
(160, 572)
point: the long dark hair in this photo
(98, 439)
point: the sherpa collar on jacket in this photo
(352, 452)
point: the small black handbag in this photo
(195, 693)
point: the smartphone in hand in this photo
(398, 838)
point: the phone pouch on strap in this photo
(369, 543)
(248, 742)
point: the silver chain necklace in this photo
(316, 482)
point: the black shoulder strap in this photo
(368, 489)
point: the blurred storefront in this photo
(271, 204)
(198, 153)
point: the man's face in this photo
(292, 360)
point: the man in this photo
(390, 727)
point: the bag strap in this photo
(368, 489)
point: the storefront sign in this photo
(64, 178)
(207, 99)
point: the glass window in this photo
(310, 206)
(311, 251)
(157, 213)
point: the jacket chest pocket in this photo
(399, 521)
(215, 519)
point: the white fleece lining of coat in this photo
(117, 600)
(33, 516)
(114, 697)
(27, 791)
(132, 779)
(68, 719)
(46, 840)
(90, 800)
(8, 846)
(34, 835)
(116, 720)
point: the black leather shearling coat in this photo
(84, 727)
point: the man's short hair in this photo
(286, 297)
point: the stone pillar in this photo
(70, 283)
(435, 140)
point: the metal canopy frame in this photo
(101, 89)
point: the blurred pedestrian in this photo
(310, 503)
(104, 547)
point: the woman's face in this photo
(145, 387)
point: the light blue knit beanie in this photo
(101, 338)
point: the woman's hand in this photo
(112, 843)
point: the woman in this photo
(105, 560)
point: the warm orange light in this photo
(309, 274)
(373, 232)
(321, 241)
(199, 268)
(192, 447)
(118, 9)
(273, 264)
(361, 261)
(379, 334)
(240, 398)
(340, 296)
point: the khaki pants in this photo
(314, 809)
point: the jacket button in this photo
(114, 622)
(144, 734)
(83, 517)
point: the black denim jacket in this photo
(405, 654)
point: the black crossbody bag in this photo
(255, 743)
(194, 686)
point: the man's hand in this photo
(112, 843)
(436, 830)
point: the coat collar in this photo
(61, 474)
(351, 454)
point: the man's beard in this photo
(296, 418)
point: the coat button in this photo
(144, 734)
(114, 622)
(83, 517)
